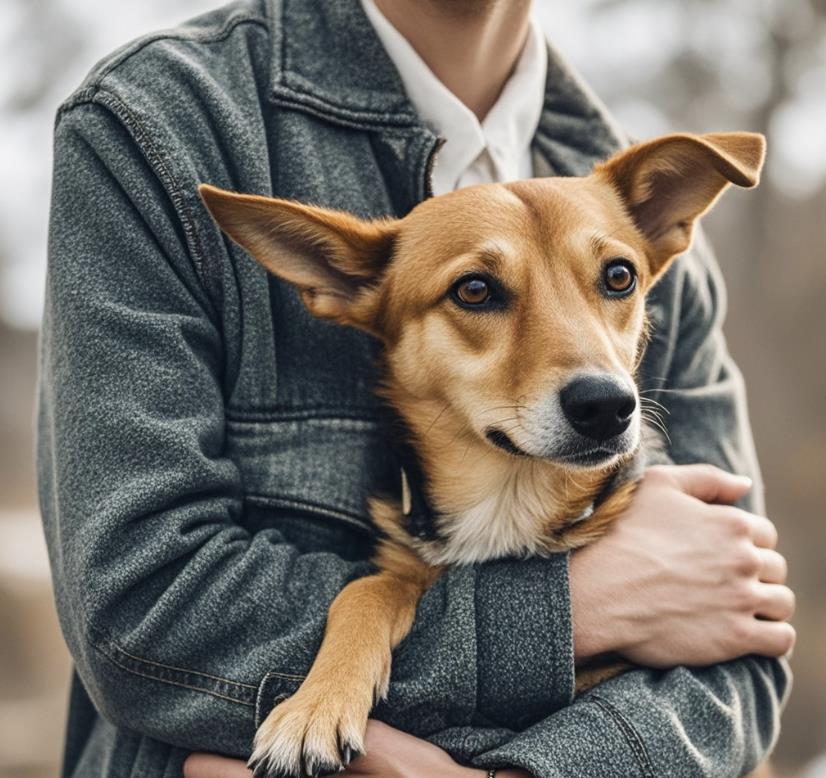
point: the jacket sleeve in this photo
(716, 721)
(183, 624)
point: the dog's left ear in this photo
(334, 259)
(669, 182)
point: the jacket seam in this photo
(278, 698)
(145, 669)
(155, 156)
(292, 97)
(265, 416)
(214, 36)
(351, 518)
(182, 669)
(631, 735)
(284, 676)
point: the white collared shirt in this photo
(496, 149)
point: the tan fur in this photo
(452, 375)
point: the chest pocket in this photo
(320, 446)
(327, 466)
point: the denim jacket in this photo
(206, 448)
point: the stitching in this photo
(214, 36)
(183, 669)
(172, 682)
(292, 98)
(292, 95)
(296, 96)
(259, 698)
(285, 676)
(353, 519)
(155, 156)
(321, 413)
(631, 735)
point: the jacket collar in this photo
(328, 61)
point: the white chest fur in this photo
(511, 519)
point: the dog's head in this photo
(517, 309)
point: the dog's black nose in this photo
(598, 407)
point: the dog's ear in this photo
(333, 258)
(669, 182)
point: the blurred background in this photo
(660, 65)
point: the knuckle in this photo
(746, 561)
(709, 471)
(771, 532)
(746, 598)
(741, 633)
(659, 474)
(735, 521)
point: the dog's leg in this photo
(589, 676)
(321, 727)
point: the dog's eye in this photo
(472, 291)
(620, 277)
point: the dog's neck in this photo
(485, 503)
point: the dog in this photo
(513, 321)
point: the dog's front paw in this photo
(309, 735)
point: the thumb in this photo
(711, 484)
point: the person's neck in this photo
(471, 46)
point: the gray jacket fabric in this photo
(206, 448)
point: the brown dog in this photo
(513, 320)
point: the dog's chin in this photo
(594, 459)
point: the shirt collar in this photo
(508, 129)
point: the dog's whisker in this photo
(438, 416)
(648, 400)
(656, 422)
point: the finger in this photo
(772, 638)
(775, 602)
(212, 766)
(711, 484)
(763, 531)
(773, 567)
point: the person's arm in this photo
(184, 625)
(717, 720)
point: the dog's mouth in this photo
(502, 440)
(594, 457)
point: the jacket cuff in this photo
(525, 652)
(590, 738)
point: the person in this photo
(206, 449)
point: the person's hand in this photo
(200, 765)
(683, 577)
(390, 753)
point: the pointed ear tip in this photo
(209, 193)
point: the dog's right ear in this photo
(333, 258)
(669, 182)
